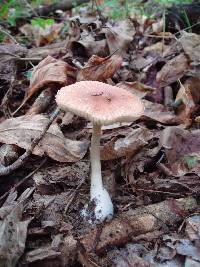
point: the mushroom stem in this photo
(96, 177)
(103, 202)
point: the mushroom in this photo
(102, 104)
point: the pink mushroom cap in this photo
(100, 103)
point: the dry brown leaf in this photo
(139, 221)
(49, 71)
(130, 144)
(158, 48)
(139, 62)
(129, 256)
(47, 178)
(154, 111)
(189, 94)
(87, 46)
(182, 149)
(22, 130)
(137, 88)
(191, 46)
(193, 227)
(119, 36)
(100, 69)
(13, 230)
(159, 113)
(173, 70)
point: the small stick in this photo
(23, 158)
(21, 58)
(8, 34)
(22, 181)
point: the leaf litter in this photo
(151, 167)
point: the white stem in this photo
(103, 203)
(96, 177)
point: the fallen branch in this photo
(128, 225)
(22, 160)
(12, 152)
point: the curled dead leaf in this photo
(22, 130)
(189, 94)
(100, 69)
(49, 71)
(119, 36)
(87, 46)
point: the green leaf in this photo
(42, 22)
(190, 161)
(28, 74)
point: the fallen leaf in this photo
(139, 221)
(139, 62)
(22, 130)
(100, 69)
(136, 88)
(183, 247)
(191, 46)
(87, 46)
(129, 256)
(182, 149)
(128, 145)
(189, 94)
(193, 227)
(48, 179)
(49, 71)
(13, 230)
(173, 70)
(190, 262)
(158, 48)
(158, 112)
(119, 36)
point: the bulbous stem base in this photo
(98, 194)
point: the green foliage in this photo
(10, 11)
(190, 161)
(173, 2)
(2, 36)
(42, 23)
(28, 74)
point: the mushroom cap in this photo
(100, 103)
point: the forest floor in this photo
(151, 167)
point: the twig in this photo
(23, 158)
(71, 197)
(158, 191)
(22, 181)
(8, 34)
(21, 58)
(158, 36)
